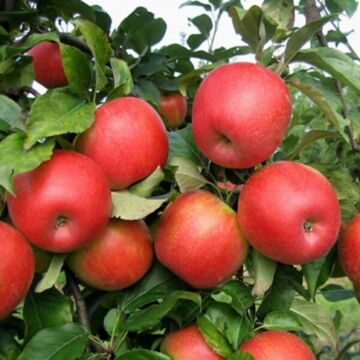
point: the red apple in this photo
(62, 204)
(188, 344)
(128, 140)
(118, 257)
(289, 212)
(173, 107)
(16, 268)
(48, 66)
(240, 114)
(349, 250)
(198, 238)
(277, 345)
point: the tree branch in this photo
(69, 40)
(312, 13)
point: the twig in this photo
(81, 307)
(313, 13)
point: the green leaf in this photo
(112, 322)
(281, 11)
(349, 6)
(157, 284)
(9, 348)
(315, 320)
(56, 343)
(50, 277)
(254, 27)
(300, 37)
(50, 308)
(77, 69)
(333, 61)
(187, 174)
(153, 314)
(237, 328)
(240, 294)
(146, 187)
(317, 272)
(13, 159)
(11, 113)
(264, 269)
(321, 101)
(142, 355)
(35, 39)
(129, 206)
(205, 6)
(182, 144)
(148, 91)
(213, 337)
(123, 83)
(57, 113)
(241, 355)
(282, 320)
(98, 42)
(335, 292)
(203, 23)
(195, 40)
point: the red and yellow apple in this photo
(48, 66)
(173, 108)
(62, 204)
(289, 212)
(16, 268)
(117, 258)
(349, 250)
(198, 238)
(240, 114)
(128, 140)
(188, 344)
(277, 345)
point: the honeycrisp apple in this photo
(117, 258)
(277, 345)
(62, 204)
(349, 250)
(240, 114)
(188, 344)
(48, 66)
(128, 140)
(289, 212)
(16, 268)
(173, 107)
(198, 237)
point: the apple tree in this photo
(151, 284)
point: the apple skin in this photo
(62, 204)
(277, 345)
(240, 114)
(289, 212)
(16, 268)
(173, 107)
(48, 66)
(128, 140)
(118, 257)
(188, 344)
(349, 250)
(198, 238)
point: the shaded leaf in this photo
(203, 23)
(11, 113)
(146, 187)
(335, 292)
(142, 355)
(123, 83)
(9, 348)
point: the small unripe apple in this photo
(198, 238)
(349, 250)
(240, 114)
(48, 66)
(62, 204)
(289, 212)
(16, 268)
(173, 107)
(117, 258)
(128, 140)
(277, 345)
(188, 344)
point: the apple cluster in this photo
(287, 211)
